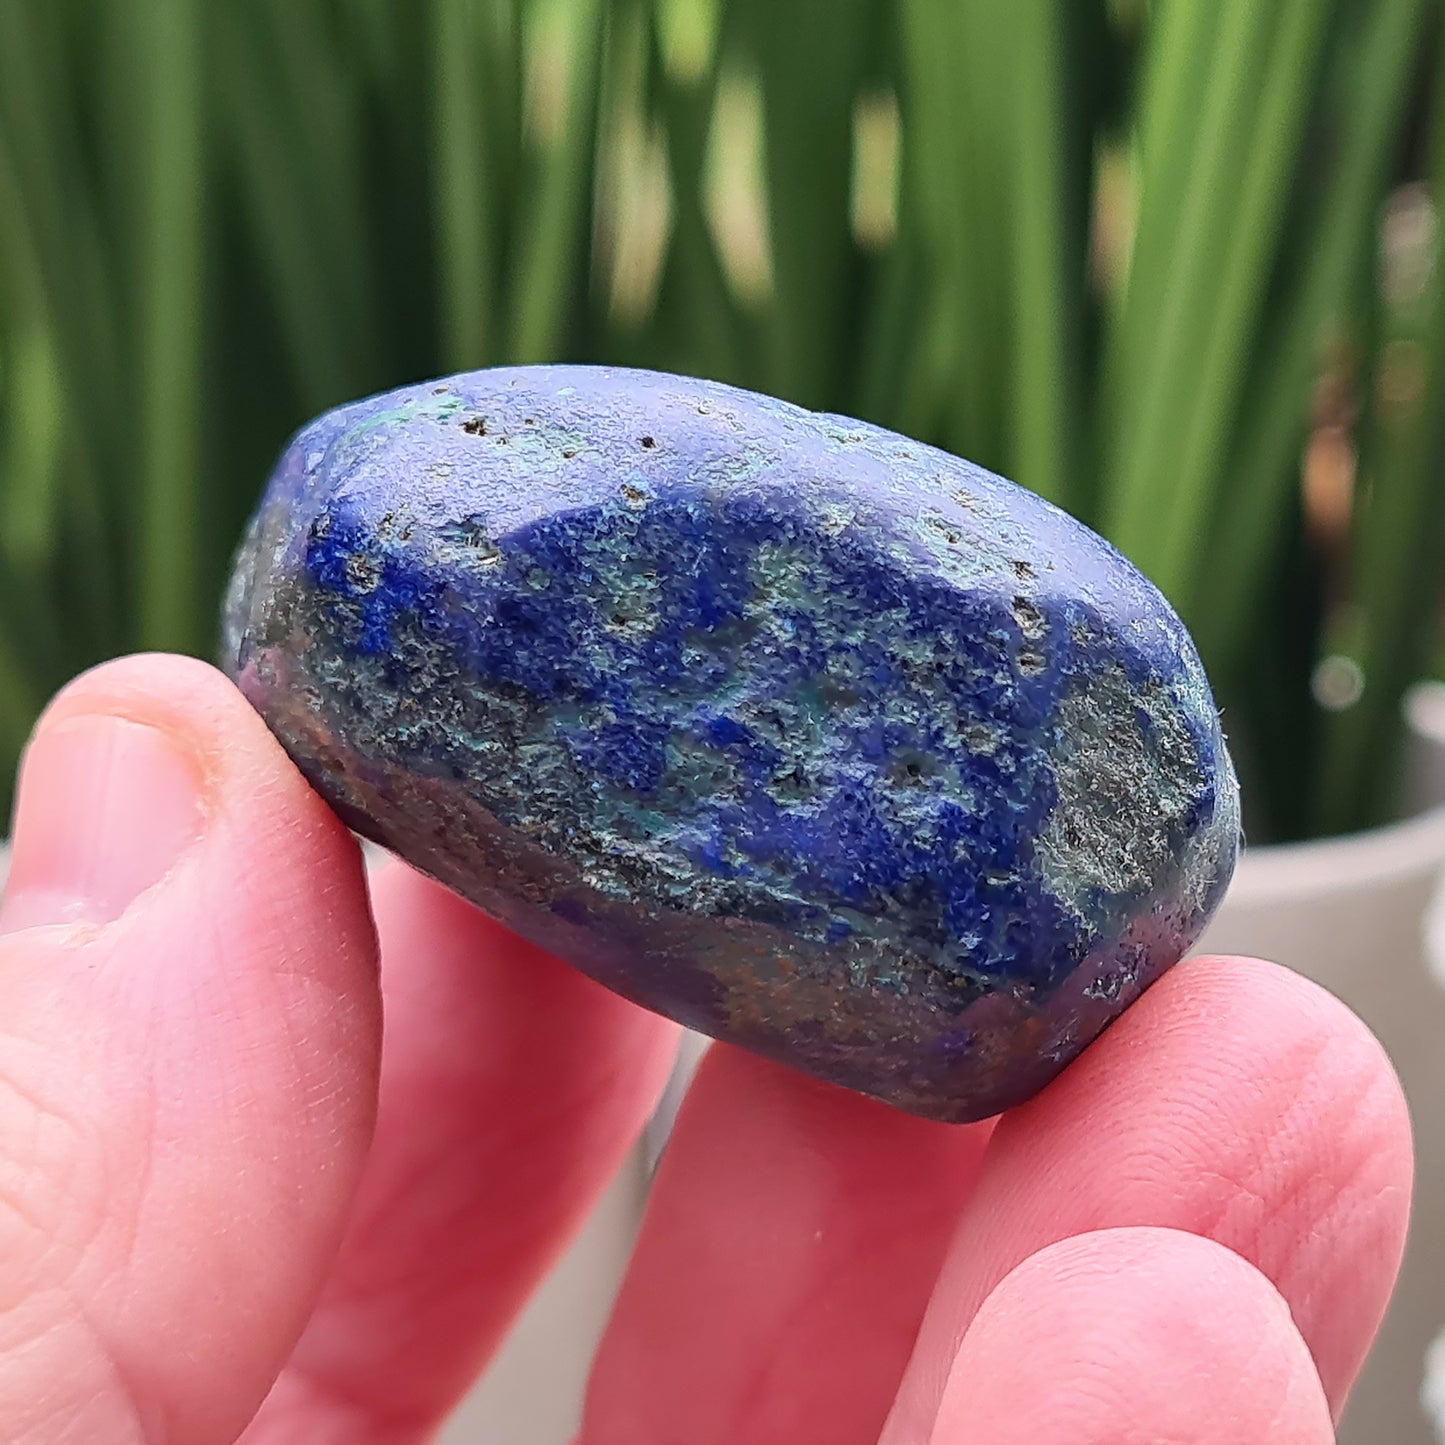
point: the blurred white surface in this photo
(532, 1394)
(1432, 1392)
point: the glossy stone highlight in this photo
(818, 740)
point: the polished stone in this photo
(816, 739)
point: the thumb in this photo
(108, 805)
(187, 1063)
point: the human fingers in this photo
(1131, 1337)
(1235, 1100)
(790, 1245)
(511, 1088)
(187, 1065)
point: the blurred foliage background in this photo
(1172, 263)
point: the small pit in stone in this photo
(475, 426)
(911, 769)
(649, 443)
(791, 786)
(1029, 618)
(1030, 663)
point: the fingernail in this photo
(105, 808)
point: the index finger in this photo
(1235, 1100)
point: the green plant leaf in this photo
(170, 289)
(1399, 543)
(1339, 237)
(549, 264)
(1174, 431)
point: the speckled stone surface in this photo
(816, 739)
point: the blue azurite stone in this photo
(819, 740)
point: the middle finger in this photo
(790, 1245)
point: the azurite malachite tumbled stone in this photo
(819, 740)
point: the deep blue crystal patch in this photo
(816, 739)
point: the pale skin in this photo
(233, 1205)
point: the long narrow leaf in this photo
(1341, 231)
(810, 60)
(172, 279)
(693, 294)
(552, 233)
(1231, 224)
(1047, 273)
(322, 326)
(1181, 55)
(953, 179)
(465, 183)
(1399, 549)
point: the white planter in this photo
(1351, 914)
(1365, 917)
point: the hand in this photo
(223, 1200)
